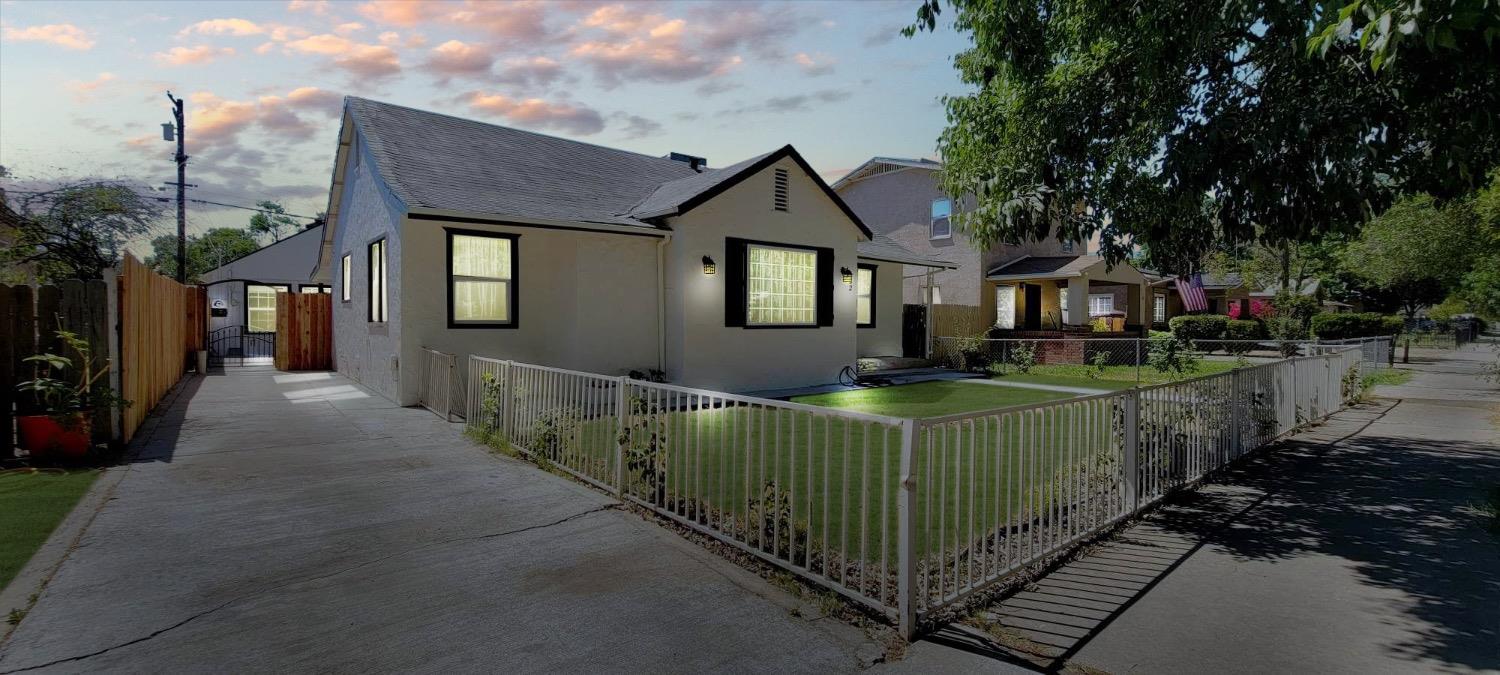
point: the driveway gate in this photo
(238, 346)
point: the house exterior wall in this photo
(365, 352)
(585, 301)
(899, 204)
(701, 350)
(884, 338)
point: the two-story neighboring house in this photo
(1030, 287)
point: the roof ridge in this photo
(508, 128)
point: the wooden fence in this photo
(29, 320)
(304, 331)
(161, 323)
(957, 320)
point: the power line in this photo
(195, 201)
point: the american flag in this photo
(1191, 290)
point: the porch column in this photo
(1136, 296)
(1078, 301)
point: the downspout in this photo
(661, 303)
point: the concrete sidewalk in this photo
(295, 522)
(1354, 548)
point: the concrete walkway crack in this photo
(345, 570)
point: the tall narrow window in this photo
(781, 287)
(481, 279)
(942, 211)
(345, 278)
(378, 301)
(260, 307)
(1005, 307)
(780, 196)
(864, 296)
(1159, 309)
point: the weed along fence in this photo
(908, 517)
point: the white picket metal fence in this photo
(908, 517)
(436, 383)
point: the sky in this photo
(83, 85)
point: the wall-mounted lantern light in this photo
(709, 267)
(848, 276)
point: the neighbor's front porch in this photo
(1061, 296)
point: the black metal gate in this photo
(238, 346)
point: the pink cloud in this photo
(514, 21)
(232, 26)
(316, 100)
(363, 60)
(534, 71)
(83, 91)
(401, 12)
(192, 56)
(814, 66)
(348, 28)
(213, 120)
(633, 42)
(536, 113)
(318, 7)
(457, 59)
(64, 35)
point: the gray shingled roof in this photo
(672, 194)
(883, 248)
(1058, 265)
(437, 161)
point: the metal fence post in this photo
(622, 421)
(1138, 360)
(1237, 399)
(507, 395)
(1132, 448)
(906, 547)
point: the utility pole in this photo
(181, 190)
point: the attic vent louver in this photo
(781, 182)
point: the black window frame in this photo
(874, 290)
(737, 286)
(514, 283)
(373, 301)
(346, 276)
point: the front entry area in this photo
(240, 345)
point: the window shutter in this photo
(825, 287)
(734, 283)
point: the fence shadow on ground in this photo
(156, 441)
(1398, 510)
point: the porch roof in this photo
(884, 249)
(1062, 267)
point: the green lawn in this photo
(1388, 376)
(31, 505)
(1066, 381)
(930, 399)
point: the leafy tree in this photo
(1416, 251)
(272, 221)
(204, 252)
(78, 230)
(1480, 288)
(1180, 125)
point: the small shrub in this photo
(1334, 326)
(1023, 356)
(1241, 335)
(1198, 326)
(1097, 364)
(1172, 356)
(972, 354)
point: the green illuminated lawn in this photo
(930, 399)
(31, 506)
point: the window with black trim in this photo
(314, 288)
(773, 285)
(377, 279)
(481, 279)
(260, 307)
(346, 266)
(864, 296)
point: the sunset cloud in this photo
(363, 60)
(236, 27)
(457, 59)
(64, 35)
(536, 71)
(192, 56)
(83, 90)
(514, 22)
(635, 126)
(536, 113)
(813, 66)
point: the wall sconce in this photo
(709, 267)
(848, 276)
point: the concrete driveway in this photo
(297, 522)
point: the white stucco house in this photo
(472, 238)
(242, 292)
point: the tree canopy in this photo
(1181, 126)
(272, 221)
(204, 252)
(78, 230)
(1415, 251)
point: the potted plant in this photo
(65, 426)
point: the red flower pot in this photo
(45, 437)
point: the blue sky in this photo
(84, 83)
